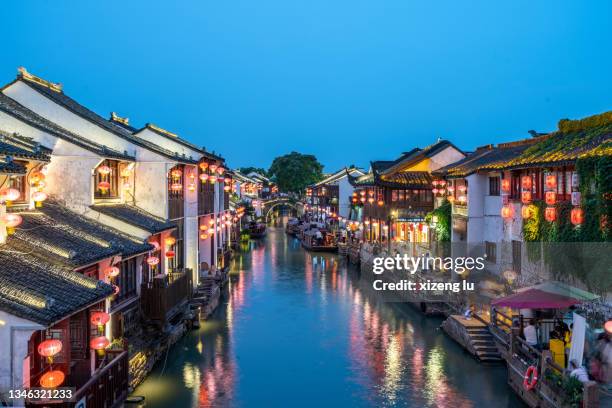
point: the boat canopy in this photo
(536, 299)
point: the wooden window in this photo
(493, 186)
(90, 271)
(491, 251)
(110, 188)
(18, 182)
(515, 185)
(126, 280)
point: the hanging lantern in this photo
(441, 191)
(170, 254)
(211, 231)
(99, 343)
(577, 216)
(381, 203)
(191, 187)
(152, 260)
(226, 188)
(367, 222)
(37, 177)
(169, 241)
(213, 167)
(211, 222)
(12, 220)
(442, 183)
(52, 379)
(49, 348)
(112, 271)
(505, 184)
(526, 212)
(10, 194)
(434, 191)
(550, 214)
(462, 199)
(370, 200)
(550, 197)
(507, 211)
(176, 173)
(526, 182)
(451, 199)
(99, 319)
(434, 183)
(228, 180)
(104, 186)
(203, 165)
(462, 189)
(39, 197)
(204, 177)
(176, 187)
(451, 189)
(354, 201)
(220, 170)
(551, 182)
(608, 326)
(104, 170)
(204, 236)
(220, 179)
(212, 179)
(526, 197)
(362, 192)
(155, 245)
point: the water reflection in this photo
(299, 329)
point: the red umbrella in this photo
(536, 299)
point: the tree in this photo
(248, 170)
(294, 171)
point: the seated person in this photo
(578, 371)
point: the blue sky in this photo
(348, 81)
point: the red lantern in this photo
(12, 220)
(551, 198)
(104, 170)
(99, 318)
(52, 379)
(507, 211)
(370, 200)
(526, 212)
(104, 185)
(50, 347)
(204, 177)
(354, 200)
(99, 343)
(37, 177)
(213, 167)
(226, 188)
(204, 236)
(191, 187)
(203, 165)
(551, 182)
(220, 170)
(526, 182)
(381, 203)
(212, 179)
(608, 326)
(170, 254)
(176, 187)
(505, 184)
(526, 197)
(550, 214)
(362, 199)
(39, 196)
(434, 191)
(112, 271)
(176, 173)
(577, 216)
(451, 199)
(10, 194)
(152, 260)
(170, 241)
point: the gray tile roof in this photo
(73, 239)
(135, 216)
(17, 146)
(18, 111)
(9, 166)
(70, 104)
(35, 289)
(180, 140)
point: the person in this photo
(319, 236)
(578, 371)
(530, 333)
(469, 312)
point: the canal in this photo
(301, 329)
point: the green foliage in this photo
(443, 223)
(294, 171)
(247, 170)
(573, 391)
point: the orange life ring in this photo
(531, 378)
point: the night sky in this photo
(348, 81)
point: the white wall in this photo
(14, 335)
(167, 143)
(444, 158)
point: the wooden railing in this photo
(107, 387)
(161, 296)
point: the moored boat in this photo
(319, 240)
(257, 230)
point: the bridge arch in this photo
(271, 204)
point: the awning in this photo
(536, 299)
(563, 289)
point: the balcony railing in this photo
(161, 297)
(107, 387)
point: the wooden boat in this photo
(257, 230)
(292, 226)
(327, 243)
